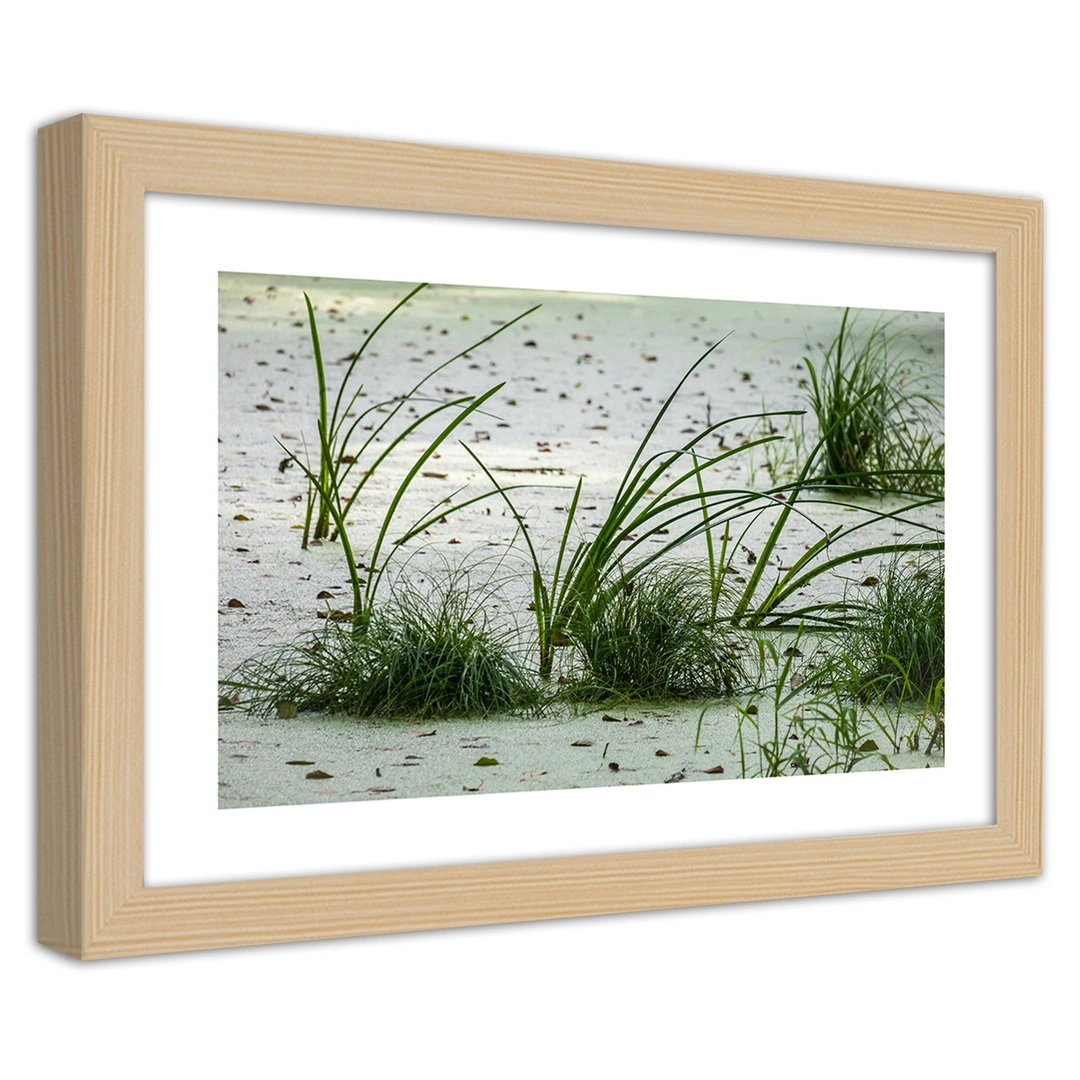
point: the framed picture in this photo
(428, 537)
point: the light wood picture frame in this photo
(94, 174)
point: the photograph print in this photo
(481, 540)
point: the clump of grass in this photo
(655, 639)
(897, 647)
(878, 432)
(424, 655)
(329, 482)
(654, 500)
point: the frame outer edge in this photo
(61, 215)
(1019, 530)
(331, 169)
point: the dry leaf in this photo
(379, 790)
(235, 603)
(662, 753)
(583, 742)
(298, 762)
(714, 770)
(317, 774)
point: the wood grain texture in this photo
(59, 502)
(93, 175)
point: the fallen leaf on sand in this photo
(298, 762)
(379, 790)
(583, 742)
(871, 580)
(714, 770)
(325, 595)
(422, 734)
(611, 719)
(318, 774)
(286, 710)
(662, 753)
(486, 761)
(235, 603)
(435, 475)
(674, 778)
(531, 775)
(465, 787)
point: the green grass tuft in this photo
(655, 639)
(880, 428)
(423, 655)
(897, 648)
(327, 484)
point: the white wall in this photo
(959, 980)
